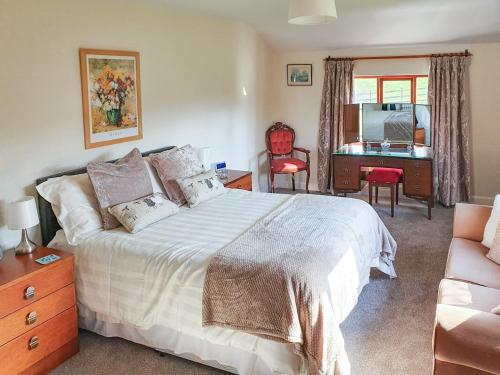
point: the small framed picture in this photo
(299, 74)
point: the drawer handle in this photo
(33, 344)
(417, 188)
(381, 162)
(346, 182)
(346, 170)
(31, 318)
(29, 293)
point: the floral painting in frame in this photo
(299, 74)
(111, 95)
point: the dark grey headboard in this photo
(48, 222)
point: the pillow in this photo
(153, 176)
(201, 187)
(122, 181)
(174, 164)
(138, 214)
(494, 253)
(73, 202)
(492, 223)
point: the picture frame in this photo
(299, 74)
(111, 96)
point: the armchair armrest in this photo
(470, 220)
(305, 151)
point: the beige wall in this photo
(194, 69)
(299, 106)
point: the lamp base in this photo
(26, 246)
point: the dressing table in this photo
(417, 166)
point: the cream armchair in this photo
(466, 334)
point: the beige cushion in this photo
(200, 188)
(494, 253)
(176, 164)
(466, 333)
(467, 261)
(140, 213)
(492, 223)
(122, 181)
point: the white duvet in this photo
(155, 277)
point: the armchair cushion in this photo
(288, 165)
(281, 141)
(466, 333)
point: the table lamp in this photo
(21, 215)
(204, 155)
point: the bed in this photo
(392, 125)
(148, 287)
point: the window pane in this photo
(422, 89)
(396, 91)
(365, 90)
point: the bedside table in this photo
(238, 180)
(38, 320)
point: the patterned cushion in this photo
(114, 183)
(389, 175)
(289, 165)
(281, 142)
(138, 214)
(201, 187)
(174, 164)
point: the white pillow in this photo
(200, 188)
(155, 179)
(491, 225)
(74, 204)
(138, 214)
(494, 253)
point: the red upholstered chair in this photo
(385, 177)
(280, 140)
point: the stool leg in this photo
(376, 193)
(397, 193)
(370, 188)
(293, 181)
(392, 200)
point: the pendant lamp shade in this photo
(311, 12)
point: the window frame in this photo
(407, 77)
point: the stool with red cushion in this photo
(385, 177)
(280, 140)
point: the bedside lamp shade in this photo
(204, 154)
(22, 214)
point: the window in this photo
(391, 89)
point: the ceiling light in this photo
(311, 12)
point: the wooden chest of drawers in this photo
(238, 180)
(38, 320)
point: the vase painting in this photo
(111, 97)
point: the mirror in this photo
(423, 124)
(388, 121)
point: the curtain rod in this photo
(428, 56)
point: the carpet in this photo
(388, 332)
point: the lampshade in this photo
(204, 154)
(311, 12)
(22, 214)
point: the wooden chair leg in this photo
(392, 199)
(370, 188)
(293, 181)
(272, 182)
(376, 194)
(308, 172)
(397, 193)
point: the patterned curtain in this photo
(449, 97)
(337, 88)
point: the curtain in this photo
(449, 97)
(337, 87)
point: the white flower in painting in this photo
(107, 107)
(96, 86)
(97, 103)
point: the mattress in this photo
(138, 285)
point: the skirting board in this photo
(479, 199)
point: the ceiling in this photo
(363, 22)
